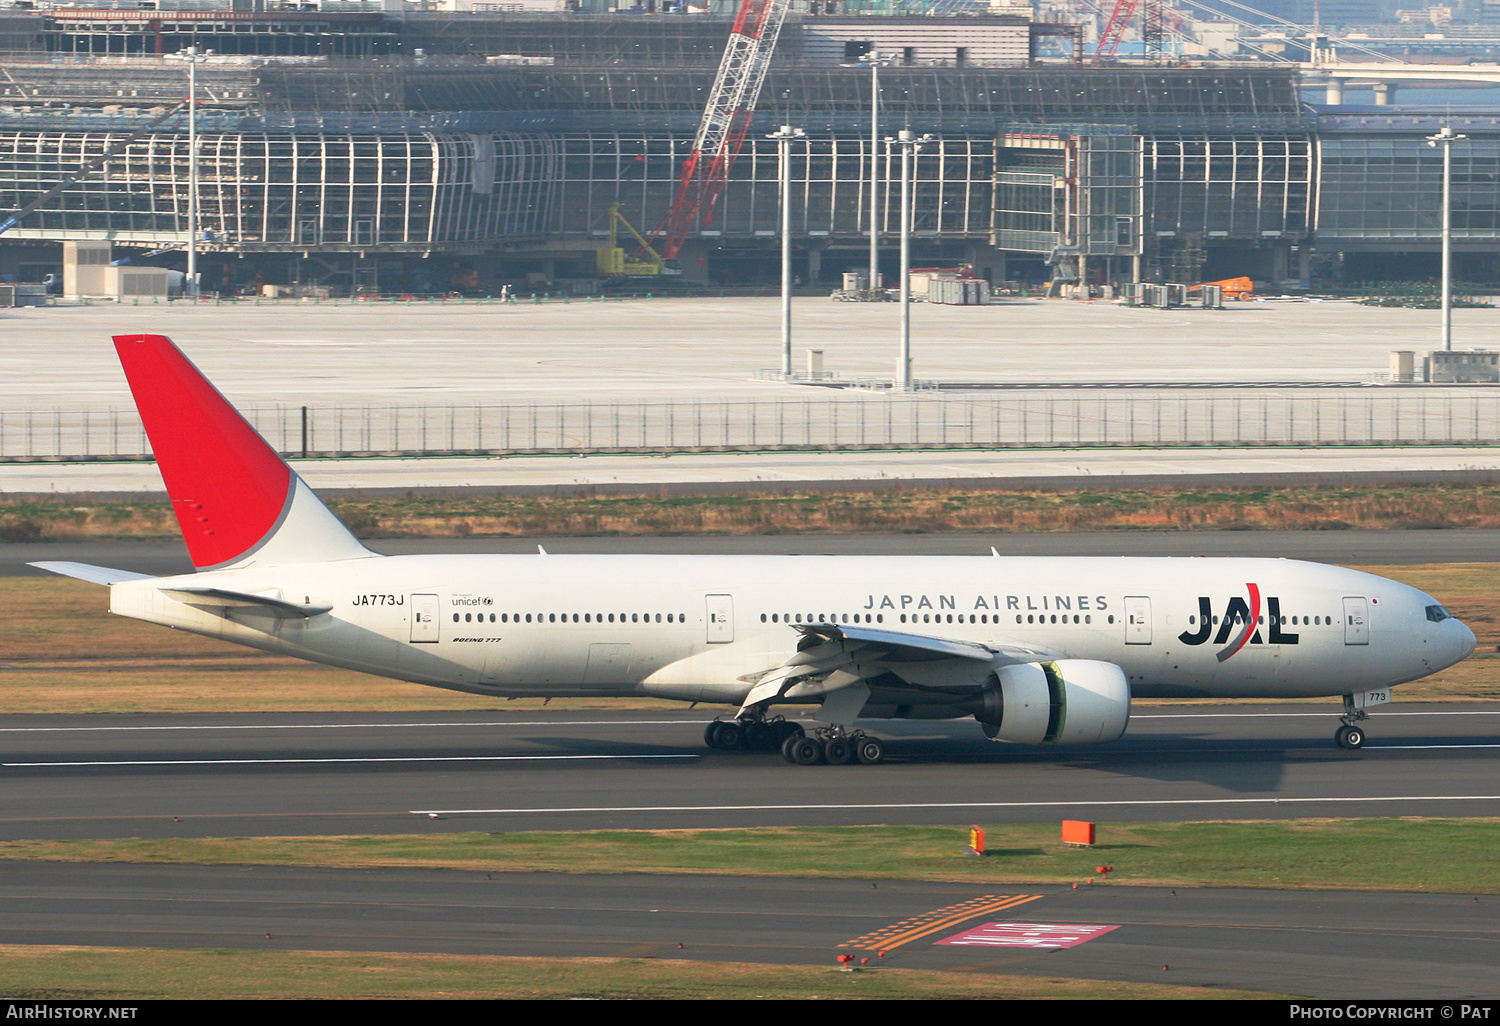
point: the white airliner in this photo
(1038, 650)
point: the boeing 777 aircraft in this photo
(1038, 650)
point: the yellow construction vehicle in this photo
(612, 260)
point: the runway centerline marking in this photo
(1062, 803)
(276, 762)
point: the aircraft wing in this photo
(831, 657)
(902, 647)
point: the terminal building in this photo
(354, 148)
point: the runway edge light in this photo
(1077, 832)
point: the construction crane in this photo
(726, 119)
(1119, 17)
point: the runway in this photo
(260, 775)
(1306, 943)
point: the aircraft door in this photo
(424, 619)
(1137, 620)
(720, 618)
(1356, 620)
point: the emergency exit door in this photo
(1137, 620)
(424, 619)
(1356, 620)
(720, 609)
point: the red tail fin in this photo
(230, 490)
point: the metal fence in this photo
(1059, 418)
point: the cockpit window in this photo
(1437, 614)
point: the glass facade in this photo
(1244, 186)
(1028, 212)
(267, 191)
(830, 177)
(1109, 194)
(1389, 189)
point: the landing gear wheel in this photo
(838, 751)
(786, 748)
(729, 737)
(759, 737)
(785, 729)
(711, 733)
(869, 751)
(806, 751)
(1350, 737)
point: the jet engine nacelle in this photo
(1067, 702)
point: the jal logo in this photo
(1240, 624)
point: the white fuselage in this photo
(702, 628)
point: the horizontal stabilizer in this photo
(88, 572)
(265, 605)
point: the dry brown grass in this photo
(904, 511)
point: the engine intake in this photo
(1067, 702)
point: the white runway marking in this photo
(293, 762)
(1417, 747)
(955, 805)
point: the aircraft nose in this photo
(1455, 641)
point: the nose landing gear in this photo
(1350, 736)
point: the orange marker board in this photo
(1076, 831)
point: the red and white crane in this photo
(726, 119)
(1119, 17)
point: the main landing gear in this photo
(749, 735)
(833, 746)
(826, 744)
(1349, 736)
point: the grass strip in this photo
(1407, 854)
(896, 511)
(124, 974)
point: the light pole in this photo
(191, 285)
(909, 142)
(784, 139)
(874, 282)
(1446, 139)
